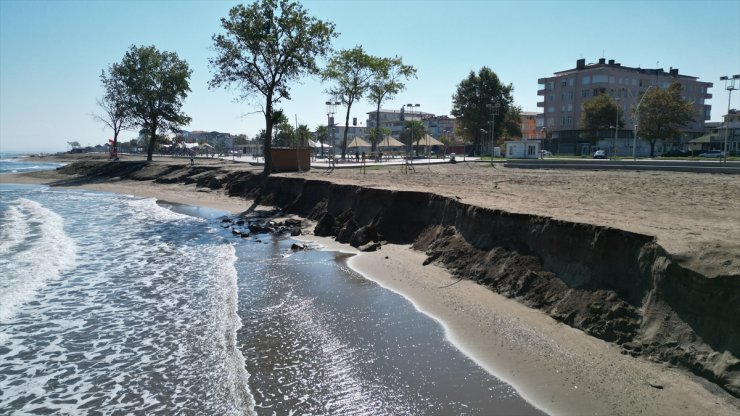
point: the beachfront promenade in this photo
(351, 162)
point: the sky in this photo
(52, 54)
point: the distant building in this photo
(395, 120)
(717, 132)
(523, 149)
(564, 94)
(528, 120)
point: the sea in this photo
(116, 305)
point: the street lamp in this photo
(411, 109)
(331, 109)
(637, 121)
(729, 86)
(616, 129)
(494, 112)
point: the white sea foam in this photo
(146, 323)
(35, 249)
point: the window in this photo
(531, 150)
(611, 80)
(600, 78)
(585, 80)
(585, 93)
(571, 81)
(510, 149)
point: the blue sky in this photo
(52, 53)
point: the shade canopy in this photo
(358, 142)
(390, 142)
(428, 141)
(312, 143)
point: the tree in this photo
(662, 114)
(480, 99)
(412, 132)
(598, 115)
(352, 72)
(386, 83)
(153, 87)
(512, 125)
(113, 104)
(322, 135)
(267, 46)
(302, 134)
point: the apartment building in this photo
(564, 94)
(528, 120)
(394, 120)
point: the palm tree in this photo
(322, 135)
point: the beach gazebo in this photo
(428, 141)
(389, 141)
(357, 142)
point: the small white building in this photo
(523, 149)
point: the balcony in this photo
(541, 104)
(541, 92)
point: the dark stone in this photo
(295, 231)
(370, 247)
(325, 226)
(259, 228)
(297, 247)
(363, 236)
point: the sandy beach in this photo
(559, 369)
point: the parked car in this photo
(544, 153)
(712, 153)
(675, 153)
(599, 154)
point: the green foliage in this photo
(599, 114)
(152, 86)
(662, 114)
(386, 83)
(474, 104)
(512, 125)
(267, 46)
(351, 72)
(413, 131)
(303, 134)
(322, 135)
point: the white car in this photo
(599, 154)
(712, 153)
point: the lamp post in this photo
(331, 109)
(616, 129)
(730, 87)
(637, 122)
(411, 140)
(494, 112)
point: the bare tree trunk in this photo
(267, 148)
(346, 129)
(152, 140)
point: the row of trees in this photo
(661, 113)
(270, 44)
(266, 47)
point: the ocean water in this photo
(17, 163)
(111, 304)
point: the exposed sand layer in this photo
(696, 217)
(560, 369)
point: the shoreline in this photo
(555, 367)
